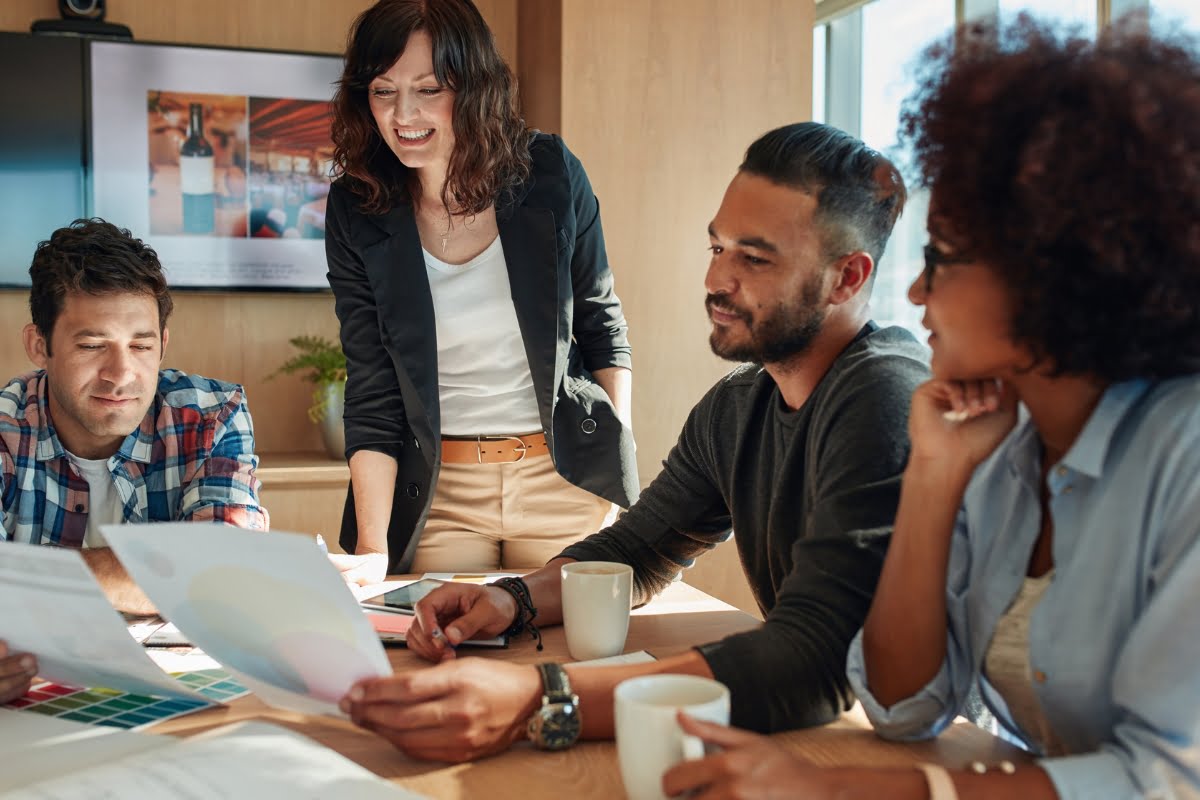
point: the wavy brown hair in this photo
(491, 142)
(1071, 168)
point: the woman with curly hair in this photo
(488, 391)
(1047, 543)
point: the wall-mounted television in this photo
(218, 158)
(42, 145)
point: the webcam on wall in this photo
(82, 18)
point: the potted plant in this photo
(326, 368)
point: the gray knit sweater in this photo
(811, 496)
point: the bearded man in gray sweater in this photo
(799, 452)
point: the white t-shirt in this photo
(484, 383)
(104, 503)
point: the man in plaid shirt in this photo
(98, 434)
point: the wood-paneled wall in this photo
(659, 99)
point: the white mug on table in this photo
(596, 597)
(649, 739)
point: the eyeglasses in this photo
(935, 258)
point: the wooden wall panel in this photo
(659, 101)
(314, 25)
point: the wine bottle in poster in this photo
(196, 178)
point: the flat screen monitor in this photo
(42, 132)
(218, 158)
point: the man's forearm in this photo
(545, 590)
(122, 592)
(596, 685)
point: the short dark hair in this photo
(91, 256)
(859, 192)
(491, 141)
(1069, 167)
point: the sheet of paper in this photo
(470, 577)
(251, 759)
(636, 657)
(270, 607)
(36, 747)
(55, 609)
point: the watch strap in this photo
(556, 686)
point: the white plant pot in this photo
(333, 432)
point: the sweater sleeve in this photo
(790, 672)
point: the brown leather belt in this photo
(494, 449)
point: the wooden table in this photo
(680, 618)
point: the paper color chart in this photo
(121, 709)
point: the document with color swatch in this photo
(55, 609)
(269, 607)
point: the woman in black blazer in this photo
(488, 397)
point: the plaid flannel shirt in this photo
(192, 458)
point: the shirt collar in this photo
(1090, 449)
(137, 446)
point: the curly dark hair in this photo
(1071, 168)
(491, 141)
(91, 256)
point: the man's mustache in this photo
(722, 304)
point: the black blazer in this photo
(570, 320)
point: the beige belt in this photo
(494, 449)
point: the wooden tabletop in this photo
(678, 619)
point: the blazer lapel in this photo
(396, 268)
(528, 235)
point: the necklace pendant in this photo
(445, 239)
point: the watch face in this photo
(558, 726)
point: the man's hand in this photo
(451, 614)
(457, 711)
(17, 671)
(749, 767)
(361, 570)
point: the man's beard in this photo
(788, 332)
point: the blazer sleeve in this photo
(374, 411)
(599, 323)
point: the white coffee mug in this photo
(649, 739)
(596, 596)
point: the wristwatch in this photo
(556, 725)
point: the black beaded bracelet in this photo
(525, 610)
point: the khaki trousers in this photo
(519, 515)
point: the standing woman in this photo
(1049, 557)
(488, 394)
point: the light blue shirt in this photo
(1115, 641)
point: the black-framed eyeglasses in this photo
(935, 258)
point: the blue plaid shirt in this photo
(192, 458)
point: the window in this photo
(1083, 12)
(1172, 14)
(863, 56)
(864, 98)
(820, 36)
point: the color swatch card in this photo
(55, 609)
(118, 709)
(269, 607)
